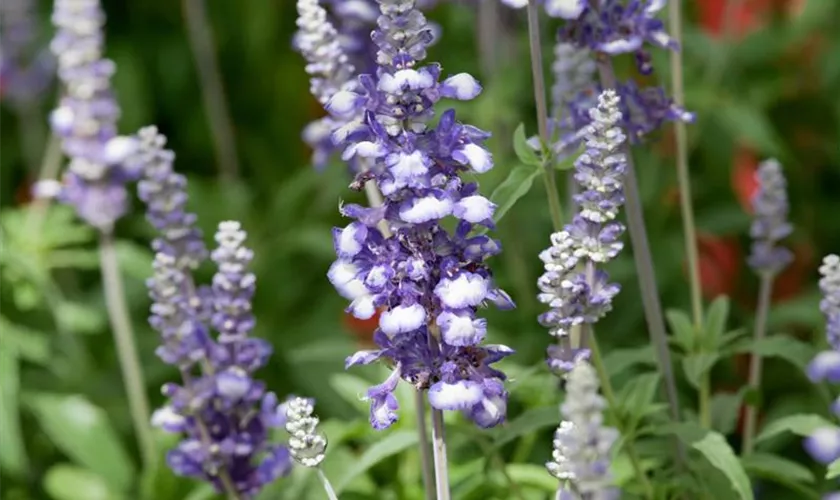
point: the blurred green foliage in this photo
(64, 425)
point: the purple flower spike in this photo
(224, 414)
(428, 282)
(86, 117)
(771, 224)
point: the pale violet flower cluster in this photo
(223, 413)
(564, 9)
(608, 28)
(824, 443)
(770, 225)
(582, 444)
(85, 120)
(328, 65)
(428, 282)
(26, 67)
(575, 290)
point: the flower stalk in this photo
(754, 377)
(130, 367)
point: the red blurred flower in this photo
(744, 182)
(362, 329)
(720, 262)
(747, 15)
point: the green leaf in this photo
(352, 389)
(715, 321)
(619, 360)
(528, 422)
(713, 446)
(515, 186)
(82, 431)
(68, 482)
(792, 350)
(682, 329)
(725, 409)
(745, 122)
(777, 468)
(12, 452)
(390, 445)
(523, 150)
(29, 344)
(801, 425)
(81, 318)
(531, 475)
(636, 397)
(833, 469)
(696, 366)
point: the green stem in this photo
(609, 395)
(686, 208)
(200, 37)
(754, 380)
(49, 169)
(542, 115)
(132, 374)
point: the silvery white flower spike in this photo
(306, 445)
(770, 224)
(574, 295)
(582, 444)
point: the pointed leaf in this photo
(725, 409)
(714, 324)
(777, 468)
(523, 150)
(682, 329)
(833, 469)
(82, 431)
(68, 482)
(12, 452)
(801, 425)
(696, 366)
(716, 450)
(619, 360)
(515, 186)
(792, 350)
(532, 420)
(388, 446)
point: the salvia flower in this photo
(306, 445)
(224, 413)
(564, 9)
(26, 69)
(824, 443)
(428, 282)
(86, 117)
(576, 292)
(770, 224)
(163, 191)
(582, 444)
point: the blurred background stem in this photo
(124, 340)
(754, 380)
(200, 36)
(49, 169)
(644, 262)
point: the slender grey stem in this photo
(488, 33)
(644, 260)
(423, 437)
(542, 113)
(374, 198)
(200, 37)
(754, 380)
(327, 486)
(126, 351)
(439, 447)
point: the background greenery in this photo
(65, 432)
